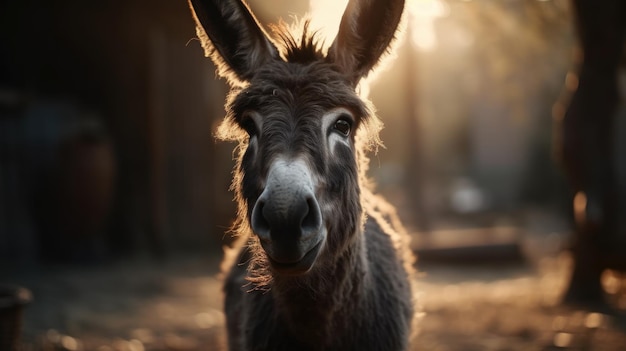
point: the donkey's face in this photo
(298, 174)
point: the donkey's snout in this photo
(287, 218)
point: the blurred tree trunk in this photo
(415, 166)
(587, 145)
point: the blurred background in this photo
(114, 198)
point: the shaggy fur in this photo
(357, 295)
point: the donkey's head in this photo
(296, 113)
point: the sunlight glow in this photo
(611, 282)
(563, 339)
(422, 16)
(580, 207)
(325, 17)
(593, 320)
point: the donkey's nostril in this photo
(312, 218)
(259, 223)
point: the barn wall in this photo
(108, 94)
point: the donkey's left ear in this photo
(236, 42)
(366, 30)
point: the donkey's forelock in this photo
(297, 43)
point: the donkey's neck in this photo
(318, 305)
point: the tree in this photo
(587, 146)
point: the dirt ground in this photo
(142, 305)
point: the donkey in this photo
(318, 264)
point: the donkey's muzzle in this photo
(288, 220)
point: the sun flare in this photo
(421, 15)
(325, 17)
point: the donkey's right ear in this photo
(232, 37)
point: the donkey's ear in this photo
(367, 27)
(232, 37)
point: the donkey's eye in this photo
(343, 126)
